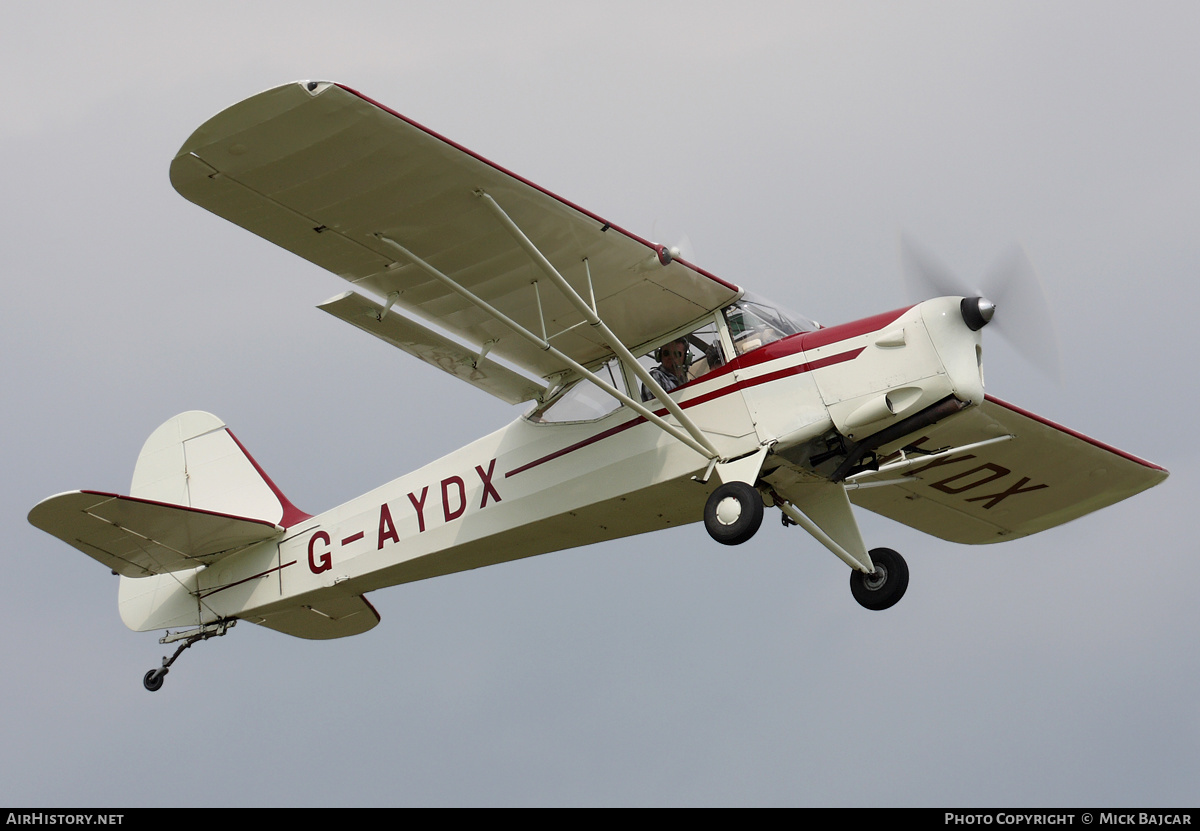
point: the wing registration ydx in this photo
(661, 395)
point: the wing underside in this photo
(1012, 474)
(429, 227)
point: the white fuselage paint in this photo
(531, 488)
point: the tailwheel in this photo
(733, 513)
(153, 680)
(884, 587)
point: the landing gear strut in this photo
(153, 680)
(883, 588)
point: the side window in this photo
(685, 359)
(584, 401)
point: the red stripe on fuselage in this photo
(845, 331)
(771, 352)
(738, 386)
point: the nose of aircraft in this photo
(976, 312)
(1027, 323)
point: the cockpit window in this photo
(755, 322)
(684, 359)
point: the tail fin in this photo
(193, 460)
(197, 497)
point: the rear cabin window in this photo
(584, 401)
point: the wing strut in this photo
(704, 448)
(589, 314)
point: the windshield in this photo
(755, 322)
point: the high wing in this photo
(440, 234)
(138, 537)
(996, 472)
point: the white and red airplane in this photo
(533, 299)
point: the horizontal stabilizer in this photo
(1015, 474)
(137, 537)
(432, 348)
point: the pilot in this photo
(671, 371)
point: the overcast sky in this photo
(792, 143)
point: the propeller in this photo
(1022, 313)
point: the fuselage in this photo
(540, 485)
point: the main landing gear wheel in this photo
(884, 588)
(733, 513)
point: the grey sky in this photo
(792, 143)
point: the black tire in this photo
(886, 586)
(153, 681)
(735, 521)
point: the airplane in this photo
(658, 395)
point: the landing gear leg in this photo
(879, 577)
(153, 680)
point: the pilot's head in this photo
(674, 356)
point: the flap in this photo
(433, 348)
(1043, 476)
(136, 537)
